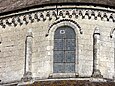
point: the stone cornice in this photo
(37, 16)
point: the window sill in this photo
(63, 75)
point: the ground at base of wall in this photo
(71, 83)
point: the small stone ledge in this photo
(97, 80)
(25, 83)
(63, 75)
(64, 82)
(13, 83)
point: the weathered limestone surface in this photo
(96, 53)
(28, 57)
(12, 46)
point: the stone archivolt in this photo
(61, 13)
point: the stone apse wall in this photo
(94, 27)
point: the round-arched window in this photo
(64, 52)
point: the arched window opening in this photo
(64, 52)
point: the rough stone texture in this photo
(10, 5)
(28, 57)
(12, 47)
(96, 53)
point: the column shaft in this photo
(96, 53)
(28, 57)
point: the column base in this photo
(27, 77)
(114, 78)
(97, 74)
